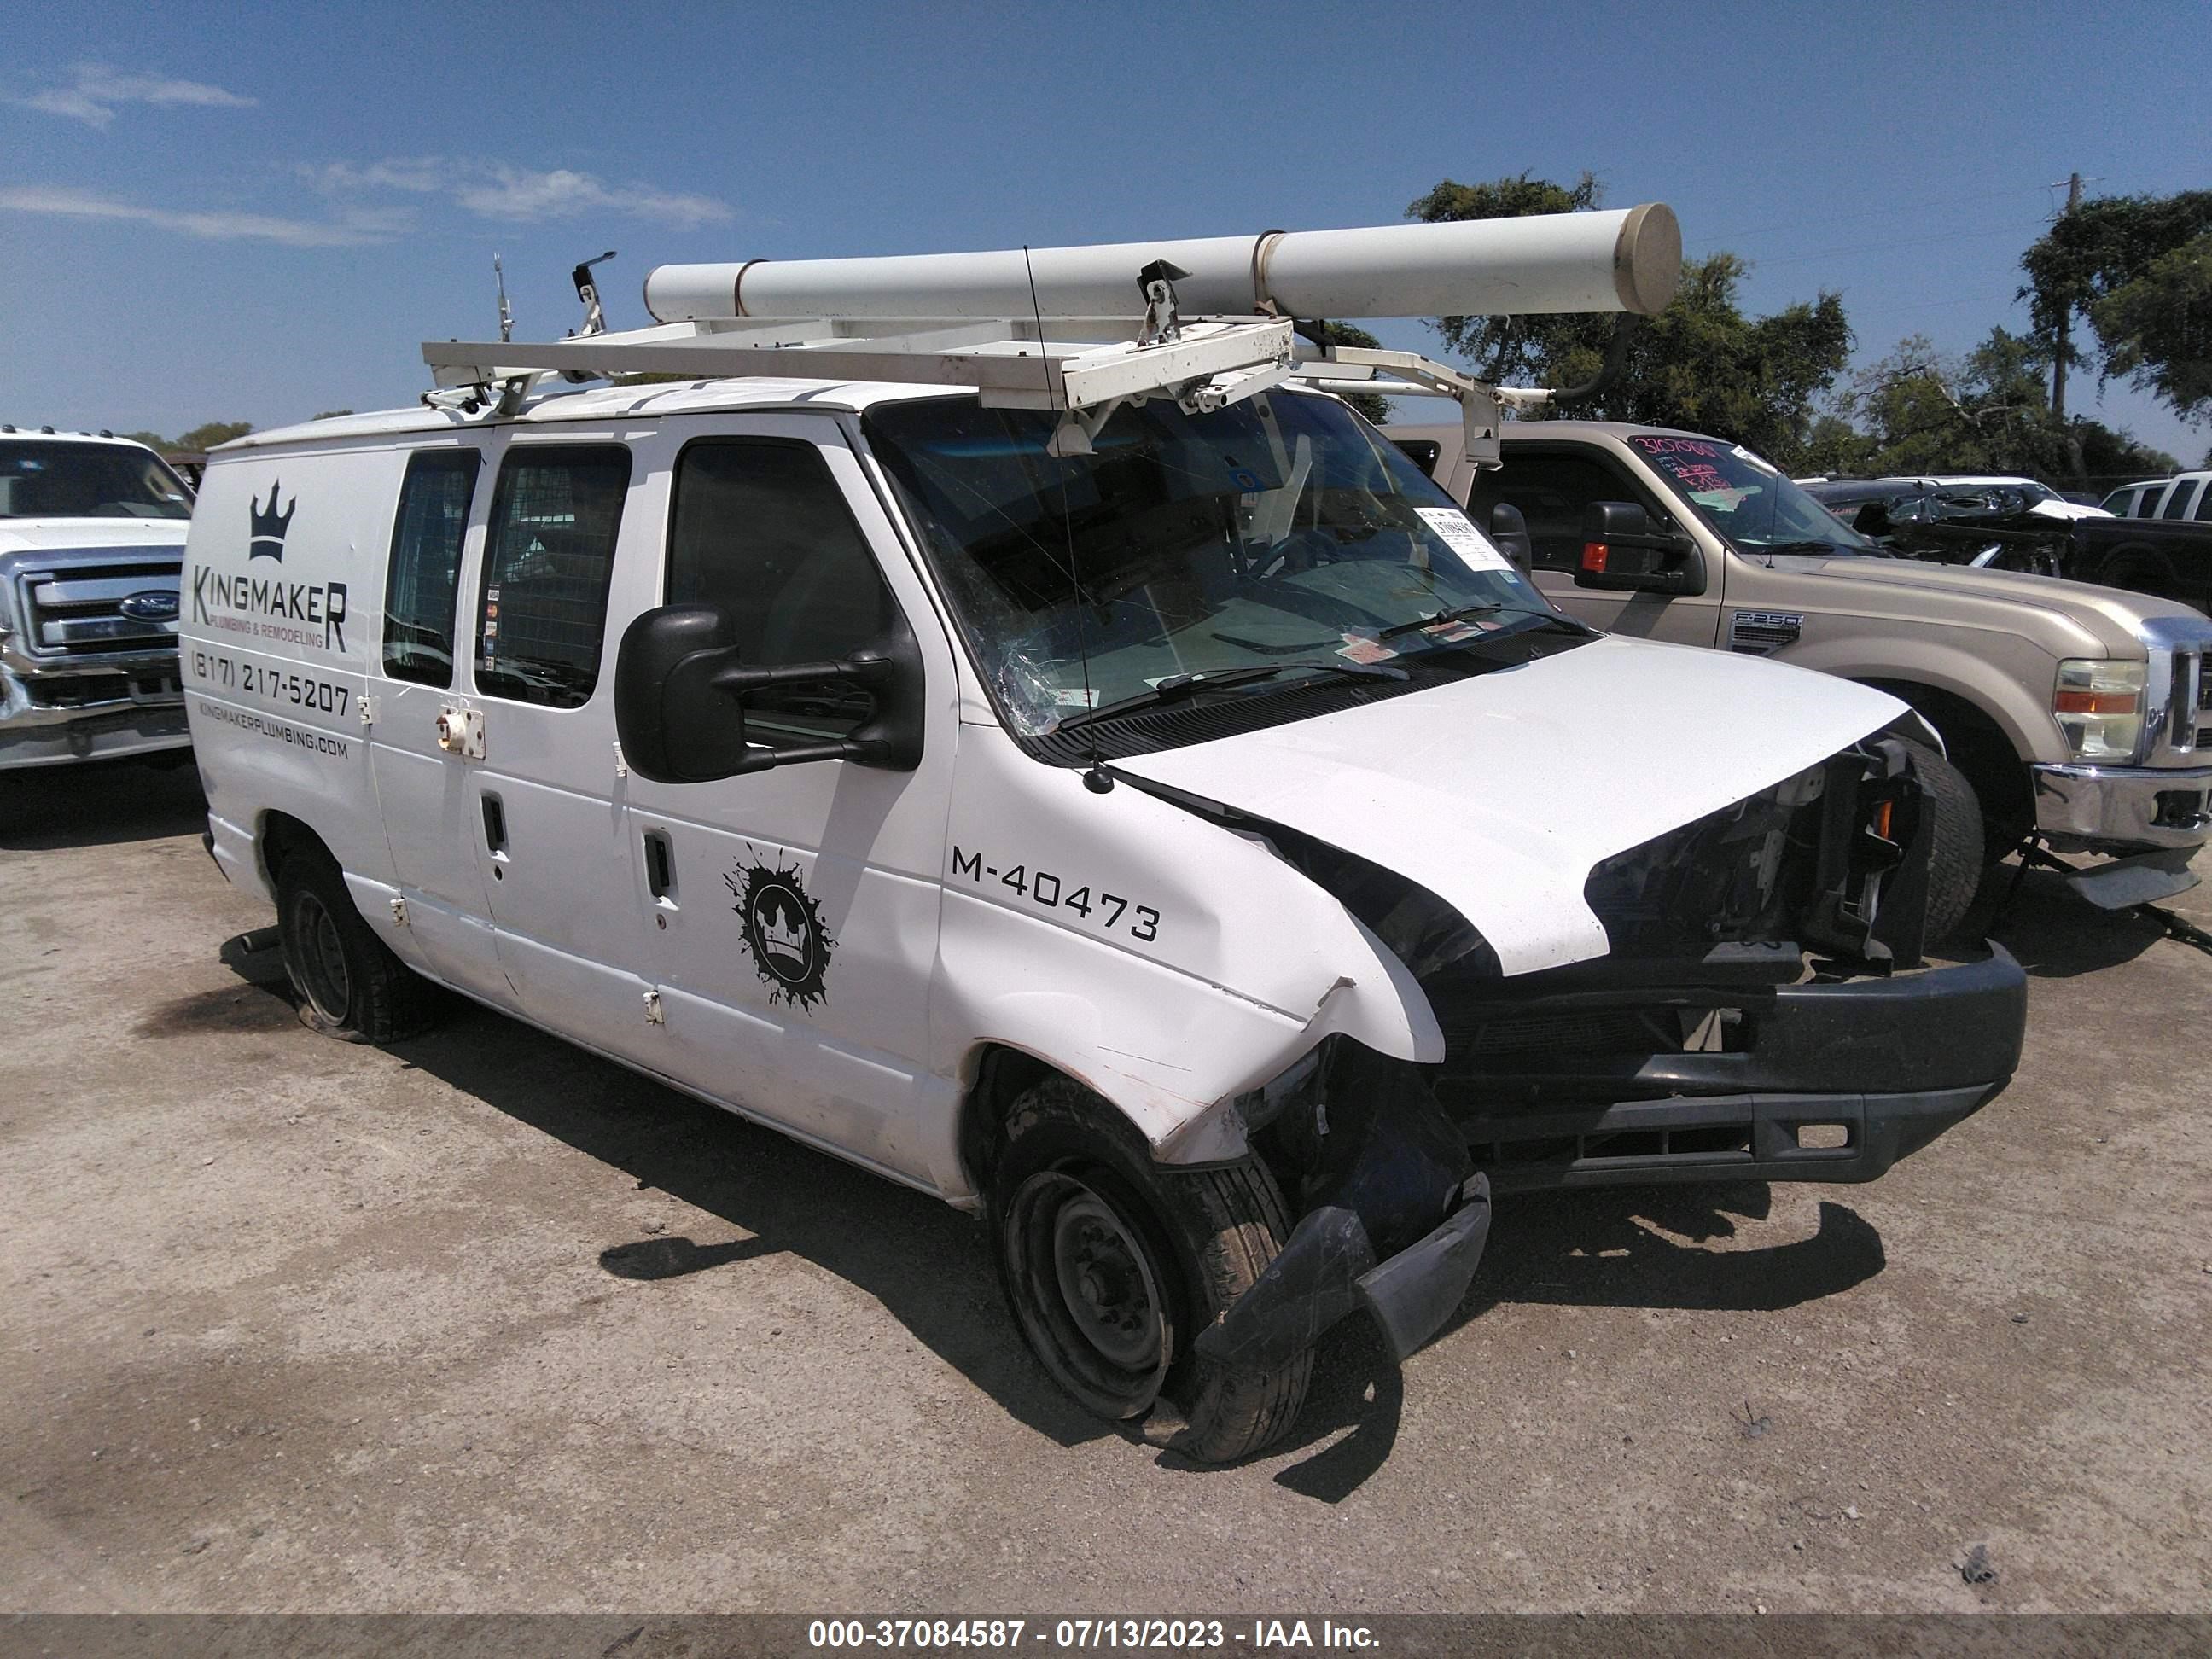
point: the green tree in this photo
(206, 437)
(152, 441)
(2139, 270)
(329, 415)
(1700, 363)
(1987, 411)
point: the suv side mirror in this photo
(1622, 553)
(679, 712)
(1509, 530)
(1873, 519)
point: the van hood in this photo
(1500, 793)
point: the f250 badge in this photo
(784, 932)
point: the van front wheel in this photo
(1113, 1265)
(350, 985)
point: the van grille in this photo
(77, 610)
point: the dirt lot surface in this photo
(481, 1322)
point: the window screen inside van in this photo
(542, 615)
(420, 586)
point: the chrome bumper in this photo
(57, 734)
(2084, 808)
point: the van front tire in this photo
(1112, 1266)
(350, 985)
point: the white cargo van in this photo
(1079, 776)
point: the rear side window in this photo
(1552, 487)
(421, 585)
(549, 556)
(761, 528)
(2176, 505)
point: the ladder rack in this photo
(1209, 364)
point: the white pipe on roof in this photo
(1628, 259)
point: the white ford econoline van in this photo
(1198, 847)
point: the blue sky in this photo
(259, 213)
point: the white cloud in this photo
(420, 174)
(354, 229)
(95, 89)
(496, 190)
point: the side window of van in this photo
(420, 586)
(542, 616)
(759, 528)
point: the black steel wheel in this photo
(1112, 1264)
(350, 984)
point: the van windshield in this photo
(1280, 533)
(1746, 499)
(45, 480)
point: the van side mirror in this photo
(1509, 530)
(1622, 553)
(679, 707)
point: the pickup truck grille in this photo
(79, 611)
(2189, 719)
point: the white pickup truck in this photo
(92, 536)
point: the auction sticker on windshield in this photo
(1459, 534)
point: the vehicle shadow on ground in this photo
(2054, 932)
(1594, 1248)
(104, 803)
(931, 1267)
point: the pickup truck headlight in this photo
(2099, 704)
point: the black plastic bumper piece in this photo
(1327, 1270)
(1833, 1137)
(1413, 1293)
(1835, 1082)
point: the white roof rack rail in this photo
(1101, 325)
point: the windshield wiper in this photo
(1176, 687)
(1555, 618)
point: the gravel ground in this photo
(479, 1323)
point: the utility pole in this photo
(2065, 318)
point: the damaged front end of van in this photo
(1769, 1008)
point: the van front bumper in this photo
(1831, 1081)
(2083, 808)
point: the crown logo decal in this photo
(781, 934)
(267, 540)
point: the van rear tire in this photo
(1112, 1266)
(350, 985)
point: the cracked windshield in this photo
(1747, 500)
(1264, 545)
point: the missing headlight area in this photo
(1831, 859)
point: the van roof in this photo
(598, 402)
